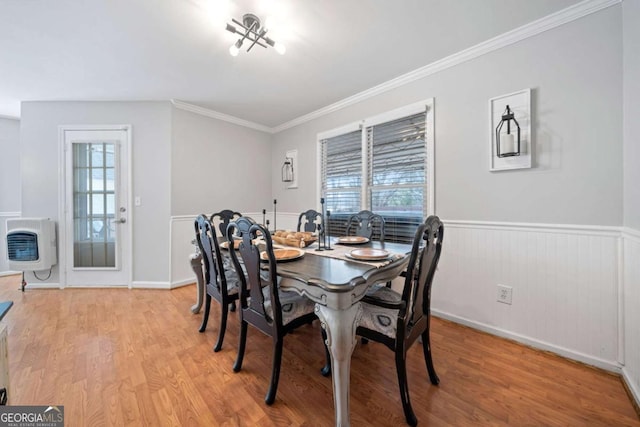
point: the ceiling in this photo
(178, 49)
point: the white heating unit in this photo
(31, 244)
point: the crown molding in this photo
(531, 29)
(220, 116)
(549, 22)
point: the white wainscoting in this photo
(182, 233)
(4, 261)
(565, 281)
(631, 273)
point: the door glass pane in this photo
(94, 206)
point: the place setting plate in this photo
(283, 254)
(352, 240)
(236, 244)
(367, 254)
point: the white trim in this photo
(531, 29)
(2, 116)
(430, 135)
(398, 113)
(631, 234)
(220, 116)
(150, 285)
(10, 214)
(537, 344)
(183, 282)
(350, 127)
(590, 230)
(620, 310)
(9, 273)
(41, 285)
(633, 389)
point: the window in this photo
(384, 165)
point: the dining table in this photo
(337, 283)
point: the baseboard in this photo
(9, 273)
(37, 285)
(181, 283)
(541, 345)
(150, 285)
(632, 389)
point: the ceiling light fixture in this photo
(252, 31)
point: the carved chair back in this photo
(364, 223)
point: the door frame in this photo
(62, 223)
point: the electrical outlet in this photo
(504, 294)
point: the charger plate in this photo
(283, 254)
(352, 240)
(367, 254)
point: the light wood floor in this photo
(134, 357)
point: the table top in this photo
(340, 275)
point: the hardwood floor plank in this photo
(119, 357)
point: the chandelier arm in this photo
(240, 23)
(257, 38)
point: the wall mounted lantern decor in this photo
(510, 141)
(254, 33)
(290, 169)
(287, 170)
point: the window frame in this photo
(426, 106)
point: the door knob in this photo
(122, 220)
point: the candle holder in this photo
(328, 237)
(264, 215)
(275, 228)
(507, 144)
(322, 235)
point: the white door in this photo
(97, 232)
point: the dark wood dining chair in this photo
(223, 218)
(310, 220)
(263, 305)
(397, 320)
(221, 282)
(365, 223)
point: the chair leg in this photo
(223, 327)
(233, 306)
(401, 370)
(326, 369)
(205, 316)
(275, 371)
(242, 341)
(426, 347)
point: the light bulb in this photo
(235, 48)
(280, 48)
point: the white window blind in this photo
(393, 182)
(397, 156)
(342, 172)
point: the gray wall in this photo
(9, 165)
(9, 181)
(217, 165)
(151, 150)
(631, 21)
(631, 273)
(575, 72)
